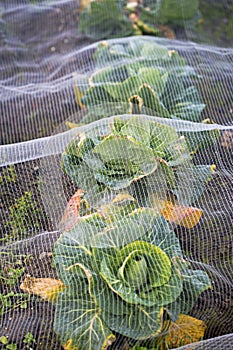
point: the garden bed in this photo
(31, 208)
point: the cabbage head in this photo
(131, 150)
(124, 274)
(138, 155)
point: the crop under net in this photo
(58, 89)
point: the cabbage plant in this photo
(142, 77)
(145, 77)
(105, 19)
(124, 274)
(137, 155)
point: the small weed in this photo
(13, 275)
(11, 347)
(24, 215)
(12, 267)
(11, 301)
(29, 340)
(8, 175)
(3, 340)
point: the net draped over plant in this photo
(125, 278)
(116, 178)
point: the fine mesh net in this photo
(116, 176)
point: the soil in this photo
(37, 316)
(20, 43)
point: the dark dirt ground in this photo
(21, 43)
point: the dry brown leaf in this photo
(71, 214)
(46, 288)
(227, 139)
(167, 31)
(185, 331)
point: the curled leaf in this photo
(46, 288)
(108, 341)
(120, 206)
(71, 125)
(71, 214)
(78, 97)
(181, 215)
(68, 345)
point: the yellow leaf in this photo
(84, 3)
(71, 125)
(184, 331)
(184, 216)
(46, 288)
(78, 96)
(68, 345)
(108, 341)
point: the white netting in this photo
(178, 94)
